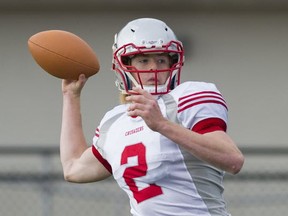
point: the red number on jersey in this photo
(139, 170)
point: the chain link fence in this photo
(31, 183)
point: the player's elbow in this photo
(71, 177)
(237, 164)
(67, 177)
(68, 172)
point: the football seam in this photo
(63, 56)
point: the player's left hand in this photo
(146, 106)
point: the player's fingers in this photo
(136, 112)
(82, 77)
(81, 80)
(74, 86)
(142, 97)
(136, 99)
(143, 92)
(138, 106)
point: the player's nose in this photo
(152, 65)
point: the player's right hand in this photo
(73, 87)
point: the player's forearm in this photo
(72, 140)
(215, 148)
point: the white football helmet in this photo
(146, 36)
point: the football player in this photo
(166, 143)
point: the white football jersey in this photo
(159, 176)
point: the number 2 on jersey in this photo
(139, 170)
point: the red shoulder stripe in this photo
(200, 98)
(197, 93)
(97, 132)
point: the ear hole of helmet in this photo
(174, 59)
(172, 83)
(128, 82)
(126, 60)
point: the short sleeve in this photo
(202, 108)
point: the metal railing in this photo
(260, 183)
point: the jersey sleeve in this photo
(100, 137)
(98, 144)
(98, 153)
(202, 108)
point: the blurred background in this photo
(239, 45)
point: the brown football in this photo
(63, 54)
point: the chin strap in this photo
(152, 89)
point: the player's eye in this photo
(144, 60)
(162, 61)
